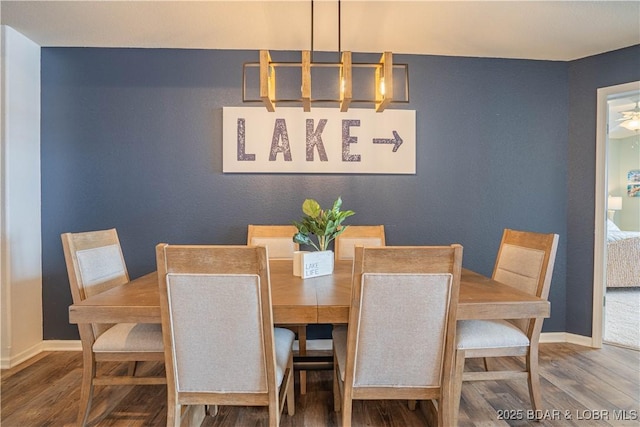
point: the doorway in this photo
(617, 156)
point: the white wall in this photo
(20, 248)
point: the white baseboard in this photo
(580, 340)
(16, 359)
(321, 344)
(553, 337)
(565, 337)
(545, 337)
(47, 345)
(62, 345)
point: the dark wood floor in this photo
(581, 387)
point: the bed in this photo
(623, 257)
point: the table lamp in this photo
(614, 203)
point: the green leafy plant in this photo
(325, 224)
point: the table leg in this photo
(302, 351)
(430, 412)
(193, 416)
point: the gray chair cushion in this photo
(339, 336)
(130, 337)
(348, 244)
(520, 267)
(278, 247)
(385, 333)
(401, 311)
(211, 314)
(472, 334)
(99, 267)
(283, 342)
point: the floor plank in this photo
(581, 387)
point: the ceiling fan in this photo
(631, 119)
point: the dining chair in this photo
(365, 235)
(525, 261)
(278, 238)
(95, 264)
(279, 241)
(221, 347)
(400, 340)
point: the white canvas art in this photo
(324, 140)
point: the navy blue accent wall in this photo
(132, 139)
(585, 77)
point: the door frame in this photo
(600, 229)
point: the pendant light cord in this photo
(339, 27)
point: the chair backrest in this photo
(525, 261)
(277, 238)
(402, 319)
(358, 235)
(216, 319)
(94, 264)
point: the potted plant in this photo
(325, 225)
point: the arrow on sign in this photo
(397, 141)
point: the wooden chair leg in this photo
(456, 387)
(336, 385)
(533, 378)
(86, 389)
(486, 363)
(132, 369)
(274, 416)
(347, 406)
(446, 404)
(291, 402)
(412, 405)
(174, 409)
(174, 416)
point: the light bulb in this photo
(382, 86)
(632, 124)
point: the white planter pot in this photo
(312, 264)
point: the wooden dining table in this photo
(299, 302)
(317, 300)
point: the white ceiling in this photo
(551, 30)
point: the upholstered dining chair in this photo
(279, 241)
(221, 347)
(95, 264)
(278, 238)
(400, 340)
(525, 261)
(364, 235)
